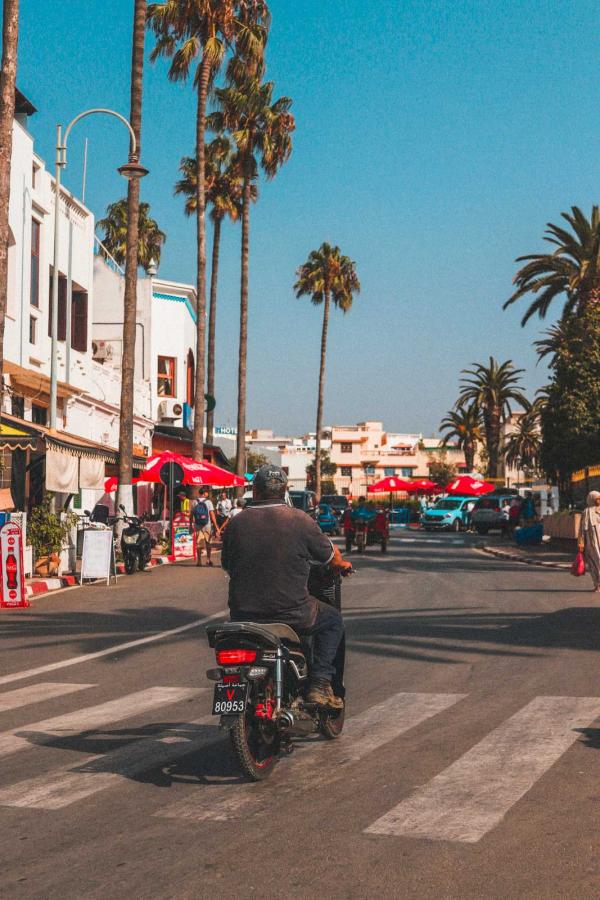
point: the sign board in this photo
(171, 470)
(98, 557)
(11, 559)
(183, 544)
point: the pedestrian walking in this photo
(505, 513)
(224, 507)
(203, 521)
(589, 537)
(528, 509)
(514, 516)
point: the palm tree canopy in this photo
(492, 387)
(525, 444)
(462, 423)
(223, 182)
(572, 269)
(260, 127)
(328, 271)
(150, 238)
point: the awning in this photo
(15, 439)
(35, 384)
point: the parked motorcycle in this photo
(261, 681)
(136, 544)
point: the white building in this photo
(74, 457)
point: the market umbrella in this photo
(194, 472)
(467, 486)
(423, 486)
(389, 485)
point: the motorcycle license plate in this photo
(229, 699)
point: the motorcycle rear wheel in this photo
(255, 748)
(332, 724)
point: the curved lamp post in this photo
(131, 170)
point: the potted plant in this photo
(48, 533)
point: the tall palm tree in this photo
(223, 191)
(8, 83)
(325, 276)
(464, 425)
(150, 237)
(553, 341)
(492, 388)
(572, 269)
(199, 32)
(261, 129)
(523, 447)
(132, 214)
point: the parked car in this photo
(327, 519)
(337, 502)
(449, 512)
(487, 512)
(306, 501)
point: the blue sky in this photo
(434, 141)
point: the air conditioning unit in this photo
(170, 410)
(102, 350)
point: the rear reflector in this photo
(235, 657)
(231, 679)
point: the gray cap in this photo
(268, 476)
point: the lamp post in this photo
(132, 169)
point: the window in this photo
(34, 291)
(17, 406)
(346, 448)
(346, 471)
(39, 414)
(62, 306)
(79, 319)
(388, 471)
(166, 376)
(345, 491)
(32, 329)
(406, 473)
(370, 470)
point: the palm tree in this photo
(200, 31)
(523, 447)
(8, 79)
(150, 237)
(572, 269)
(464, 425)
(223, 191)
(261, 129)
(492, 388)
(131, 214)
(325, 276)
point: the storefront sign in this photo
(183, 545)
(98, 558)
(11, 560)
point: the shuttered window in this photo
(79, 317)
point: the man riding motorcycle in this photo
(267, 551)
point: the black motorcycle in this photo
(261, 682)
(136, 545)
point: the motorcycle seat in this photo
(273, 633)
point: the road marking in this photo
(92, 717)
(109, 651)
(473, 795)
(320, 763)
(37, 692)
(61, 788)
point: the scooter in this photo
(136, 544)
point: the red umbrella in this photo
(423, 486)
(194, 472)
(469, 487)
(389, 485)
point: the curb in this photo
(44, 586)
(527, 560)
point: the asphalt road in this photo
(468, 769)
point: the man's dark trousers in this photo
(326, 632)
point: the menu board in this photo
(98, 559)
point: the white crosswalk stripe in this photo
(36, 693)
(324, 762)
(470, 797)
(93, 717)
(63, 787)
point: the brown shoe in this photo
(321, 693)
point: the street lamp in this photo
(131, 170)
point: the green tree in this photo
(493, 388)
(522, 448)
(150, 238)
(441, 471)
(325, 276)
(463, 424)
(328, 470)
(195, 34)
(262, 131)
(255, 460)
(572, 269)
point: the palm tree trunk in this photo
(8, 77)
(212, 326)
(198, 439)
(469, 450)
(321, 394)
(240, 456)
(131, 267)
(494, 442)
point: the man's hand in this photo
(339, 562)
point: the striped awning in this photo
(14, 439)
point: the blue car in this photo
(327, 519)
(450, 512)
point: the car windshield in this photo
(297, 500)
(338, 502)
(448, 504)
(489, 503)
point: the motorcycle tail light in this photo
(231, 679)
(235, 657)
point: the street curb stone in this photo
(528, 560)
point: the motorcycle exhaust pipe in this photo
(285, 721)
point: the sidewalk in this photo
(550, 554)
(40, 585)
